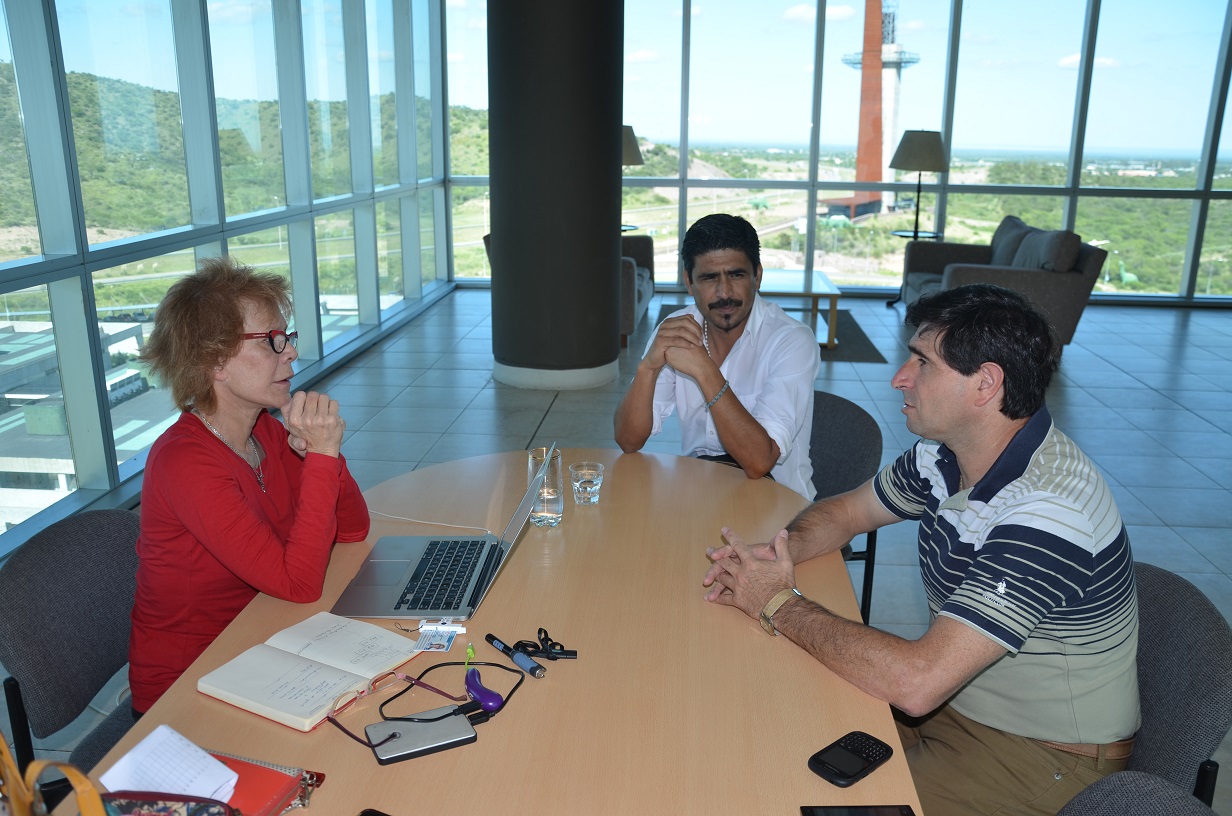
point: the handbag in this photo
(22, 795)
(141, 803)
(265, 790)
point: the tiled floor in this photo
(1144, 391)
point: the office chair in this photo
(1184, 681)
(1134, 793)
(66, 597)
(846, 452)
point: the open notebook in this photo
(434, 576)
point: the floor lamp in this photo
(919, 150)
(630, 154)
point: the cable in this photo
(433, 523)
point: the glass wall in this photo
(1087, 116)
(336, 273)
(19, 235)
(246, 107)
(326, 85)
(124, 99)
(293, 141)
(38, 467)
(313, 142)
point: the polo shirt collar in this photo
(1010, 465)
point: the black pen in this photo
(519, 659)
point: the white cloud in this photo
(643, 55)
(804, 13)
(913, 25)
(230, 12)
(1073, 60)
(835, 13)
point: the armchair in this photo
(1055, 270)
(636, 282)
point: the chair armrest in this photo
(932, 257)
(628, 283)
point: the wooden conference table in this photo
(674, 705)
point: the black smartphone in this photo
(849, 758)
(856, 810)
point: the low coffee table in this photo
(792, 283)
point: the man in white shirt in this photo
(737, 368)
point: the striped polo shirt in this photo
(1034, 556)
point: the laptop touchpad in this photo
(383, 573)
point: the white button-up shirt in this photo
(771, 370)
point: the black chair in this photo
(1184, 681)
(66, 597)
(1134, 793)
(846, 452)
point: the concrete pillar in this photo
(555, 79)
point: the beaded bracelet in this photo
(722, 391)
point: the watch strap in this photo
(767, 614)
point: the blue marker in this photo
(520, 660)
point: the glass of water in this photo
(550, 503)
(587, 478)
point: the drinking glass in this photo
(550, 503)
(587, 478)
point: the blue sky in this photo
(752, 76)
(752, 73)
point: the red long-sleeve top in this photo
(211, 540)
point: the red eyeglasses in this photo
(277, 339)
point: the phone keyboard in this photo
(872, 749)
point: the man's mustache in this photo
(724, 303)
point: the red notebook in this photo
(265, 789)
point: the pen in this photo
(520, 660)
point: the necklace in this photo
(706, 336)
(252, 446)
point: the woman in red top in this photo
(233, 503)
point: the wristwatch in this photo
(767, 614)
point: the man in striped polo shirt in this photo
(1023, 690)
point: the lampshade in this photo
(630, 154)
(920, 150)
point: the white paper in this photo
(357, 646)
(167, 762)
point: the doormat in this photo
(853, 344)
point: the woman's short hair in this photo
(199, 323)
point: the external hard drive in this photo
(420, 738)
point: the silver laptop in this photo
(434, 576)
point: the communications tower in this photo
(881, 64)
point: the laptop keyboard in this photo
(442, 575)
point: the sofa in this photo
(636, 282)
(1053, 268)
